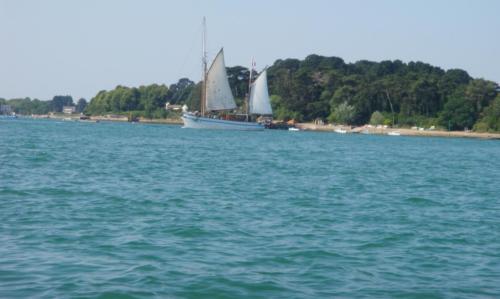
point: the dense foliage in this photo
(377, 118)
(412, 93)
(490, 120)
(150, 99)
(58, 102)
(28, 106)
(387, 92)
(81, 105)
(147, 101)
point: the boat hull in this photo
(198, 122)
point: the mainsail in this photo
(218, 92)
(259, 97)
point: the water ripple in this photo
(145, 211)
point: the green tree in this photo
(343, 114)
(81, 105)
(377, 118)
(458, 113)
(146, 99)
(451, 80)
(193, 99)
(342, 95)
(280, 111)
(40, 107)
(426, 99)
(490, 121)
(238, 78)
(480, 92)
(180, 92)
(58, 102)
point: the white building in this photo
(171, 107)
(69, 109)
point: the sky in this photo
(79, 47)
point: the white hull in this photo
(198, 122)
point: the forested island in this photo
(393, 93)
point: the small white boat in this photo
(293, 129)
(394, 133)
(340, 131)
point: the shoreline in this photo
(402, 131)
(302, 126)
(167, 121)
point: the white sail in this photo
(259, 96)
(218, 92)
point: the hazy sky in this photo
(79, 47)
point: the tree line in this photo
(149, 101)
(28, 106)
(327, 88)
(406, 94)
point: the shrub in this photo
(343, 113)
(377, 118)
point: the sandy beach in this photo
(401, 131)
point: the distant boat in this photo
(340, 131)
(11, 116)
(293, 129)
(217, 96)
(394, 133)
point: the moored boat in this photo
(394, 133)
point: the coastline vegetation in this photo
(406, 94)
(388, 92)
(28, 106)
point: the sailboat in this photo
(216, 96)
(259, 102)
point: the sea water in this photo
(119, 210)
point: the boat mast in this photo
(204, 63)
(247, 104)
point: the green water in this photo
(136, 211)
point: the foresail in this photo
(218, 94)
(259, 96)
